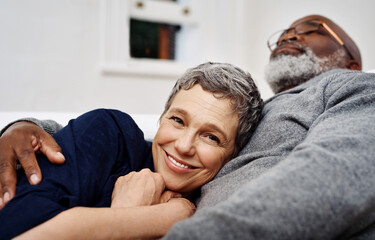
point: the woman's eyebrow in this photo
(179, 110)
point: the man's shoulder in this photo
(342, 78)
(329, 83)
(344, 75)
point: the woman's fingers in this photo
(141, 188)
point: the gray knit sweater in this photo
(50, 126)
(308, 172)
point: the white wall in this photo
(50, 50)
(50, 61)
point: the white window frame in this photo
(115, 35)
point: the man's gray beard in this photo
(285, 71)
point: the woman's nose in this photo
(185, 144)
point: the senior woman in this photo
(209, 116)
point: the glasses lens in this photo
(307, 27)
(302, 28)
(274, 38)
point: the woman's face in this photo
(195, 139)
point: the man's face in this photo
(320, 42)
(300, 57)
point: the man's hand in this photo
(20, 142)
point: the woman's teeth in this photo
(179, 164)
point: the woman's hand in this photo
(181, 207)
(143, 188)
(19, 143)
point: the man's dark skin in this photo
(322, 44)
(21, 140)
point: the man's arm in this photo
(322, 190)
(18, 142)
(50, 126)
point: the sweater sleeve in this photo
(323, 189)
(50, 126)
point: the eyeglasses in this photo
(306, 28)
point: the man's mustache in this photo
(297, 45)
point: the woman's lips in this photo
(177, 166)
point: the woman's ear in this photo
(353, 65)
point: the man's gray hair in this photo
(226, 81)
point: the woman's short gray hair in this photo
(226, 81)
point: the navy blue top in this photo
(99, 146)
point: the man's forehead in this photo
(308, 19)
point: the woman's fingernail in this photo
(34, 179)
(61, 155)
(6, 197)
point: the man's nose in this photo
(289, 35)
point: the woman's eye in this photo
(177, 120)
(214, 138)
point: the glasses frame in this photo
(325, 26)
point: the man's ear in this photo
(353, 65)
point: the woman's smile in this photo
(177, 166)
